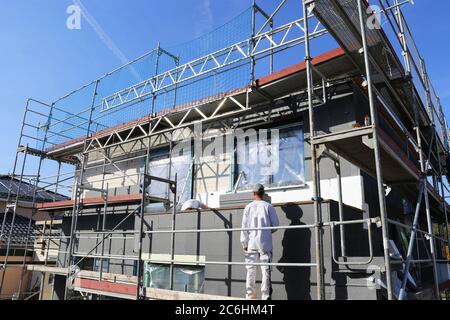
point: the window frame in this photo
(98, 263)
(166, 154)
(167, 265)
(235, 165)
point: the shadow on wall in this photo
(228, 223)
(296, 249)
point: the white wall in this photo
(352, 193)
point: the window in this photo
(85, 264)
(285, 165)
(159, 166)
(186, 278)
(105, 265)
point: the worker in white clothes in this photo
(257, 244)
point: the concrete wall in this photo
(290, 246)
(113, 246)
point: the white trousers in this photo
(266, 285)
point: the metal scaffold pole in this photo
(379, 173)
(8, 244)
(78, 193)
(173, 188)
(444, 204)
(444, 201)
(4, 264)
(432, 243)
(49, 240)
(318, 230)
(105, 207)
(16, 161)
(412, 242)
(424, 167)
(33, 203)
(402, 38)
(423, 193)
(158, 56)
(104, 225)
(424, 163)
(145, 183)
(252, 44)
(337, 165)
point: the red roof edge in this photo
(330, 55)
(90, 201)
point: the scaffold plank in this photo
(49, 269)
(161, 294)
(125, 287)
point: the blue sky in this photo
(41, 58)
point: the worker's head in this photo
(258, 192)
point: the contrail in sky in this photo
(105, 38)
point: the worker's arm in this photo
(245, 234)
(273, 218)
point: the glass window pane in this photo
(156, 276)
(249, 167)
(159, 166)
(105, 265)
(291, 159)
(186, 278)
(189, 279)
(286, 170)
(182, 166)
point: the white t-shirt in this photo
(259, 214)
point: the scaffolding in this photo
(214, 80)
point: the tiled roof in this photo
(26, 191)
(19, 234)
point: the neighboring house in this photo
(19, 231)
